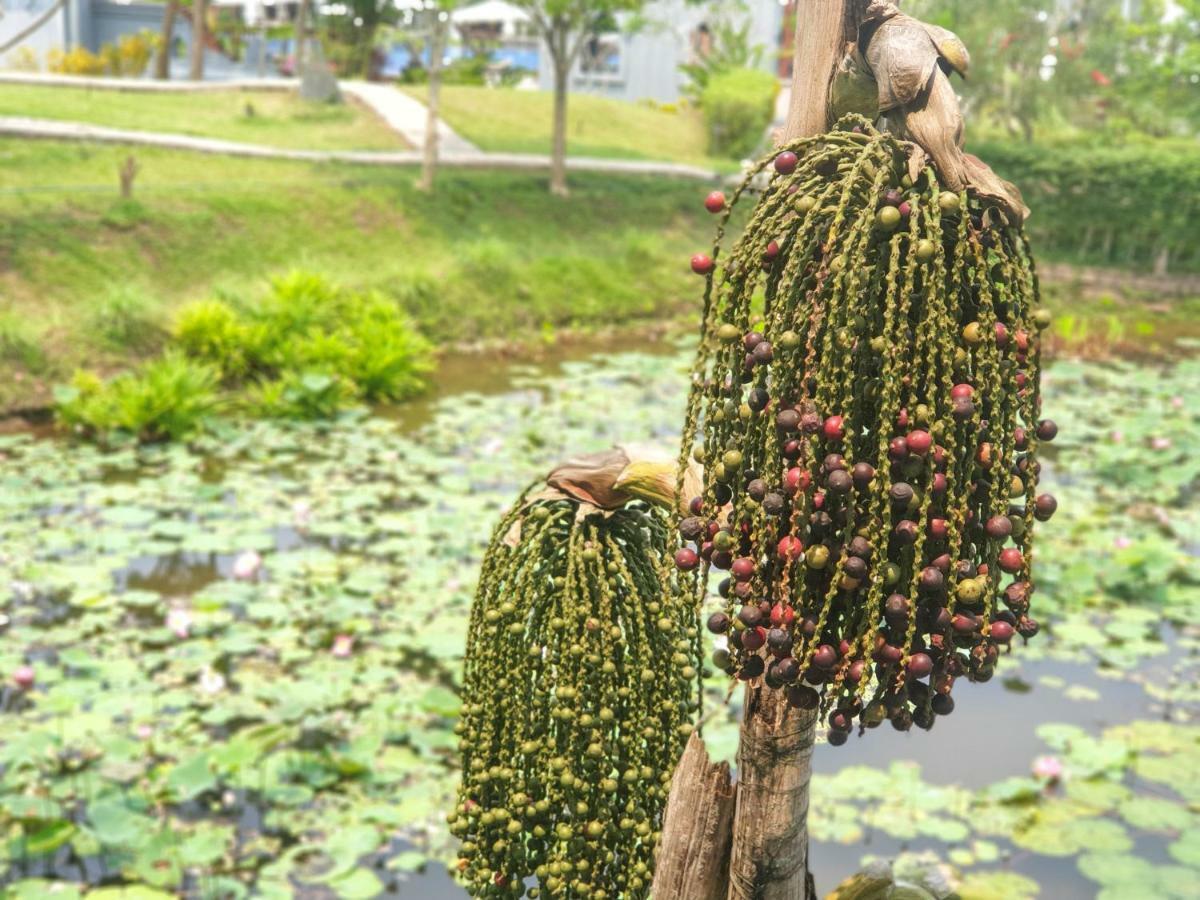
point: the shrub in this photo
(77, 61)
(1132, 207)
(211, 330)
(172, 397)
(738, 106)
(306, 326)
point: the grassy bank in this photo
(87, 279)
(512, 121)
(271, 118)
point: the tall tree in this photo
(162, 59)
(565, 26)
(439, 26)
(199, 35)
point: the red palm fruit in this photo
(772, 250)
(939, 483)
(742, 568)
(754, 638)
(832, 428)
(1011, 560)
(898, 448)
(888, 655)
(785, 162)
(961, 392)
(715, 202)
(702, 264)
(1001, 335)
(796, 480)
(902, 418)
(1020, 439)
(782, 616)
(998, 527)
(919, 442)
(919, 665)
(790, 548)
(1001, 632)
(964, 623)
(686, 558)
(938, 529)
(825, 657)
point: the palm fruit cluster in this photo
(581, 681)
(865, 403)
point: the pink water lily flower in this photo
(301, 514)
(1160, 443)
(179, 620)
(246, 566)
(1048, 767)
(1122, 541)
(343, 646)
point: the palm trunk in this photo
(162, 60)
(768, 835)
(558, 151)
(196, 72)
(429, 160)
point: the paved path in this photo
(405, 115)
(401, 112)
(19, 126)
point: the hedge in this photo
(1122, 207)
(738, 106)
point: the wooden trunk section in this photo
(693, 861)
(770, 827)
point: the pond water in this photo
(247, 652)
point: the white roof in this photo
(487, 12)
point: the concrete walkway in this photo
(404, 114)
(22, 127)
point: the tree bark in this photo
(558, 150)
(822, 30)
(429, 159)
(196, 71)
(699, 814)
(769, 859)
(162, 59)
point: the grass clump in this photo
(169, 398)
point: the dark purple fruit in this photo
(750, 614)
(752, 667)
(718, 623)
(787, 420)
(1044, 507)
(1047, 430)
(839, 482)
(691, 528)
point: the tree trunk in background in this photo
(768, 837)
(162, 60)
(301, 35)
(429, 160)
(196, 72)
(558, 150)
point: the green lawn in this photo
(86, 279)
(272, 118)
(505, 119)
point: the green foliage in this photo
(731, 49)
(172, 397)
(211, 329)
(1129, 207)
(738, 106)
(1118, 67)
(306, 328)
